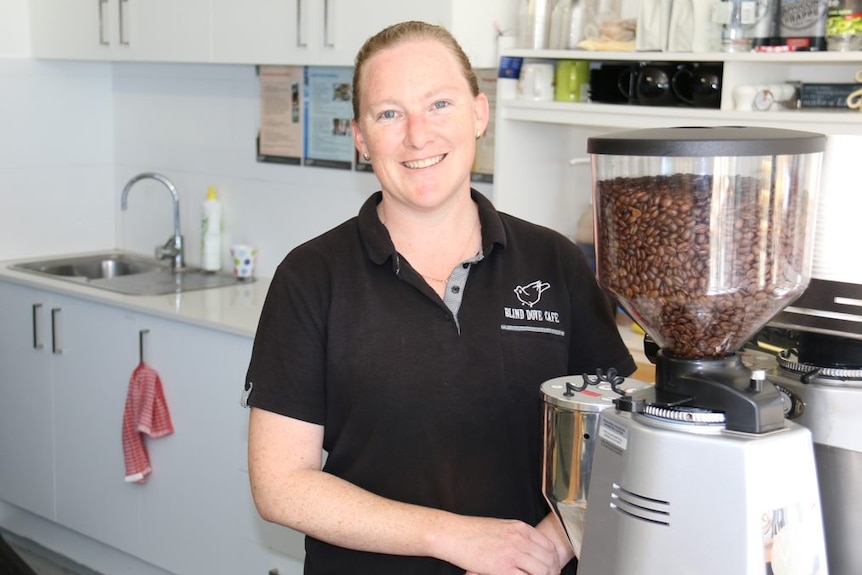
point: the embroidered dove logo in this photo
(530, 294)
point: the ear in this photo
(482, 112)
(359, 139)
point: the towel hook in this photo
(141, 335)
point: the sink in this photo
(126, 273)
(94, 267)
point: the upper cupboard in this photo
(295, 32)
(143, 30)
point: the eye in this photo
(441, 104)
(387, 115)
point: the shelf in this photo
(633, 116)
(746, 57)
(538, 145)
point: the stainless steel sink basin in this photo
(127, 273)
(94, 267)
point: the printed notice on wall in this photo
(329, 114)
(483, 166)
(281, 119)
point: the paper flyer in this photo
(328, 117)
(281, 118)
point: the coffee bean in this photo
(701, 269)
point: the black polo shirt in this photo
(416, 406)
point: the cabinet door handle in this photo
(328, 24)
(301, 41)
(141, 335)
(104, 37)
(36, 343)
(124, 32)
(55, 346)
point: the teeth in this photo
(424, 163)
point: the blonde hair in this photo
(404, 32)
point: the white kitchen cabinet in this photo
(64, 363)
(65, 366)
(14, 38)
(541, 168)
(262, 32)
(60, 452)
(194, 506)
(330, 32)
(76, 29)
(26, 407)
(99, 351)
(296, 32)
(147, 30)
(196, 510)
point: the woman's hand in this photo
(499, 547)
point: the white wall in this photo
(197, 125)
(56, 157)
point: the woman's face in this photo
(419, 122)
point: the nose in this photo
(417, 131)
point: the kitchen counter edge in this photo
(233, 309)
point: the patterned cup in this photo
(243, 257)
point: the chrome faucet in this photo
(173, 248)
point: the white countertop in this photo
(233, 309)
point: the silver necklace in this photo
(464, 254)
(430, 279)
(460, 259)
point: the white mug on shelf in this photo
(763, 97)
(536, 82)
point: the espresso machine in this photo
(820, 378)
(817, 361)
(703, 235)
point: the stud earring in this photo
(478, 135)
(366, 157)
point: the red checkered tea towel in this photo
(146, 413)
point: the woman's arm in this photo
(289, 488)
(553, 529)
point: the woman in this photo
(410, 342)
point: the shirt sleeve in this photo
(286, 373)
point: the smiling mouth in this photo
(418, 164)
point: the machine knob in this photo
(755, 384)
(792, 403)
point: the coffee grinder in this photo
(703, 235)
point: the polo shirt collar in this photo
(379, 245)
